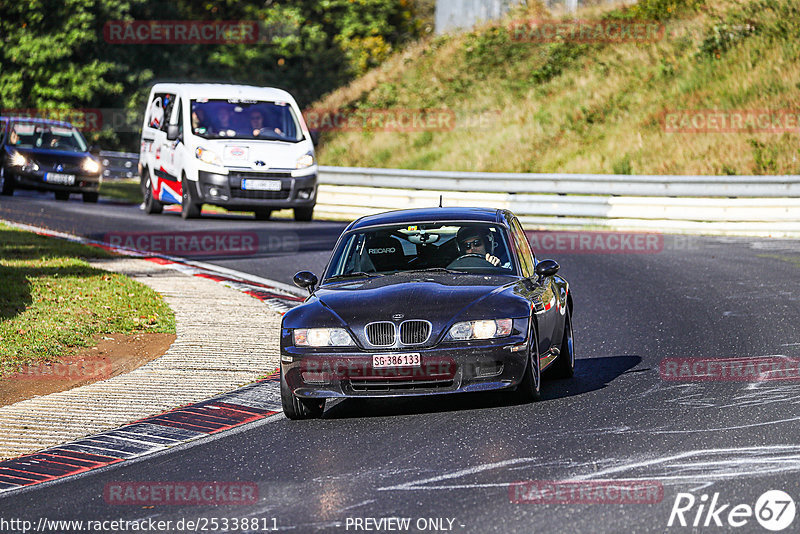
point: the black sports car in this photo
(426, 301)
(48, 155)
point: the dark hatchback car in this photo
(424, 302)
(47, 155)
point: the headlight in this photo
(207, 156)
(18, 160)
(91, 166)
(487, 329)
(322, 337)
(304, 161)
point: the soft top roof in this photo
(485, 215)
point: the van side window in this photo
(160, 110)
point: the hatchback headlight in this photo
(91, 166)
(322, 337)
(486, 329)
(17, 159)
(207, 156)
(304, 161)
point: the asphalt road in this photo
(454, 457)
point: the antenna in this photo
(440, 201)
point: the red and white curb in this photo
(249, 403)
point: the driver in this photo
(475, 240)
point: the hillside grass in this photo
(588, 108)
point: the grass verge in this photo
(52, 301)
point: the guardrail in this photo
(733, 205)
(119, 165)
(746, 205)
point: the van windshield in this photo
(245, 119)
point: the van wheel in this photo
(152, 205)
(190, 208)
(62, 195)
(303, 214)
(263, 214)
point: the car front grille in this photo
(406, 385)
(260, 195)
(381, 334)
(414, 332)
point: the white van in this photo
(241, 147)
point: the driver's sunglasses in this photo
(475, 243)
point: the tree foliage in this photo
(53, 53)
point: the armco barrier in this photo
(734, 205)
(119, 165)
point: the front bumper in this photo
(226, 190)
(447, 368)
(84, 183)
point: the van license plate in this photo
(261, 185)
(56, 178)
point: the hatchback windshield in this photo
(464, 247)
(46, 136)
(240, 119)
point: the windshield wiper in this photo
(433, 270)
(352, 275)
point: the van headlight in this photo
(306, 160)
(487, 329)
(208, 156)
(91, 166)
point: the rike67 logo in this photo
(774, 510)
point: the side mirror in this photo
(94, 150)
(307, 280)
(547, 268)
(172, 132)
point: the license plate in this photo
(56, 178)
(261, 185)
(380, 361)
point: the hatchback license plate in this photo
(261, 185)
(396, 360)
(56, 178)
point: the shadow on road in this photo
(590, 375)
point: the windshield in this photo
(46, 136)
(240, 119)
(460, 247)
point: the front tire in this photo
(297, 408)
(564, 366)
(530, 388)
(6, 182)
(91, 197)
(303, 214)
(190, 208)
(152, 206)
(262, 214)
